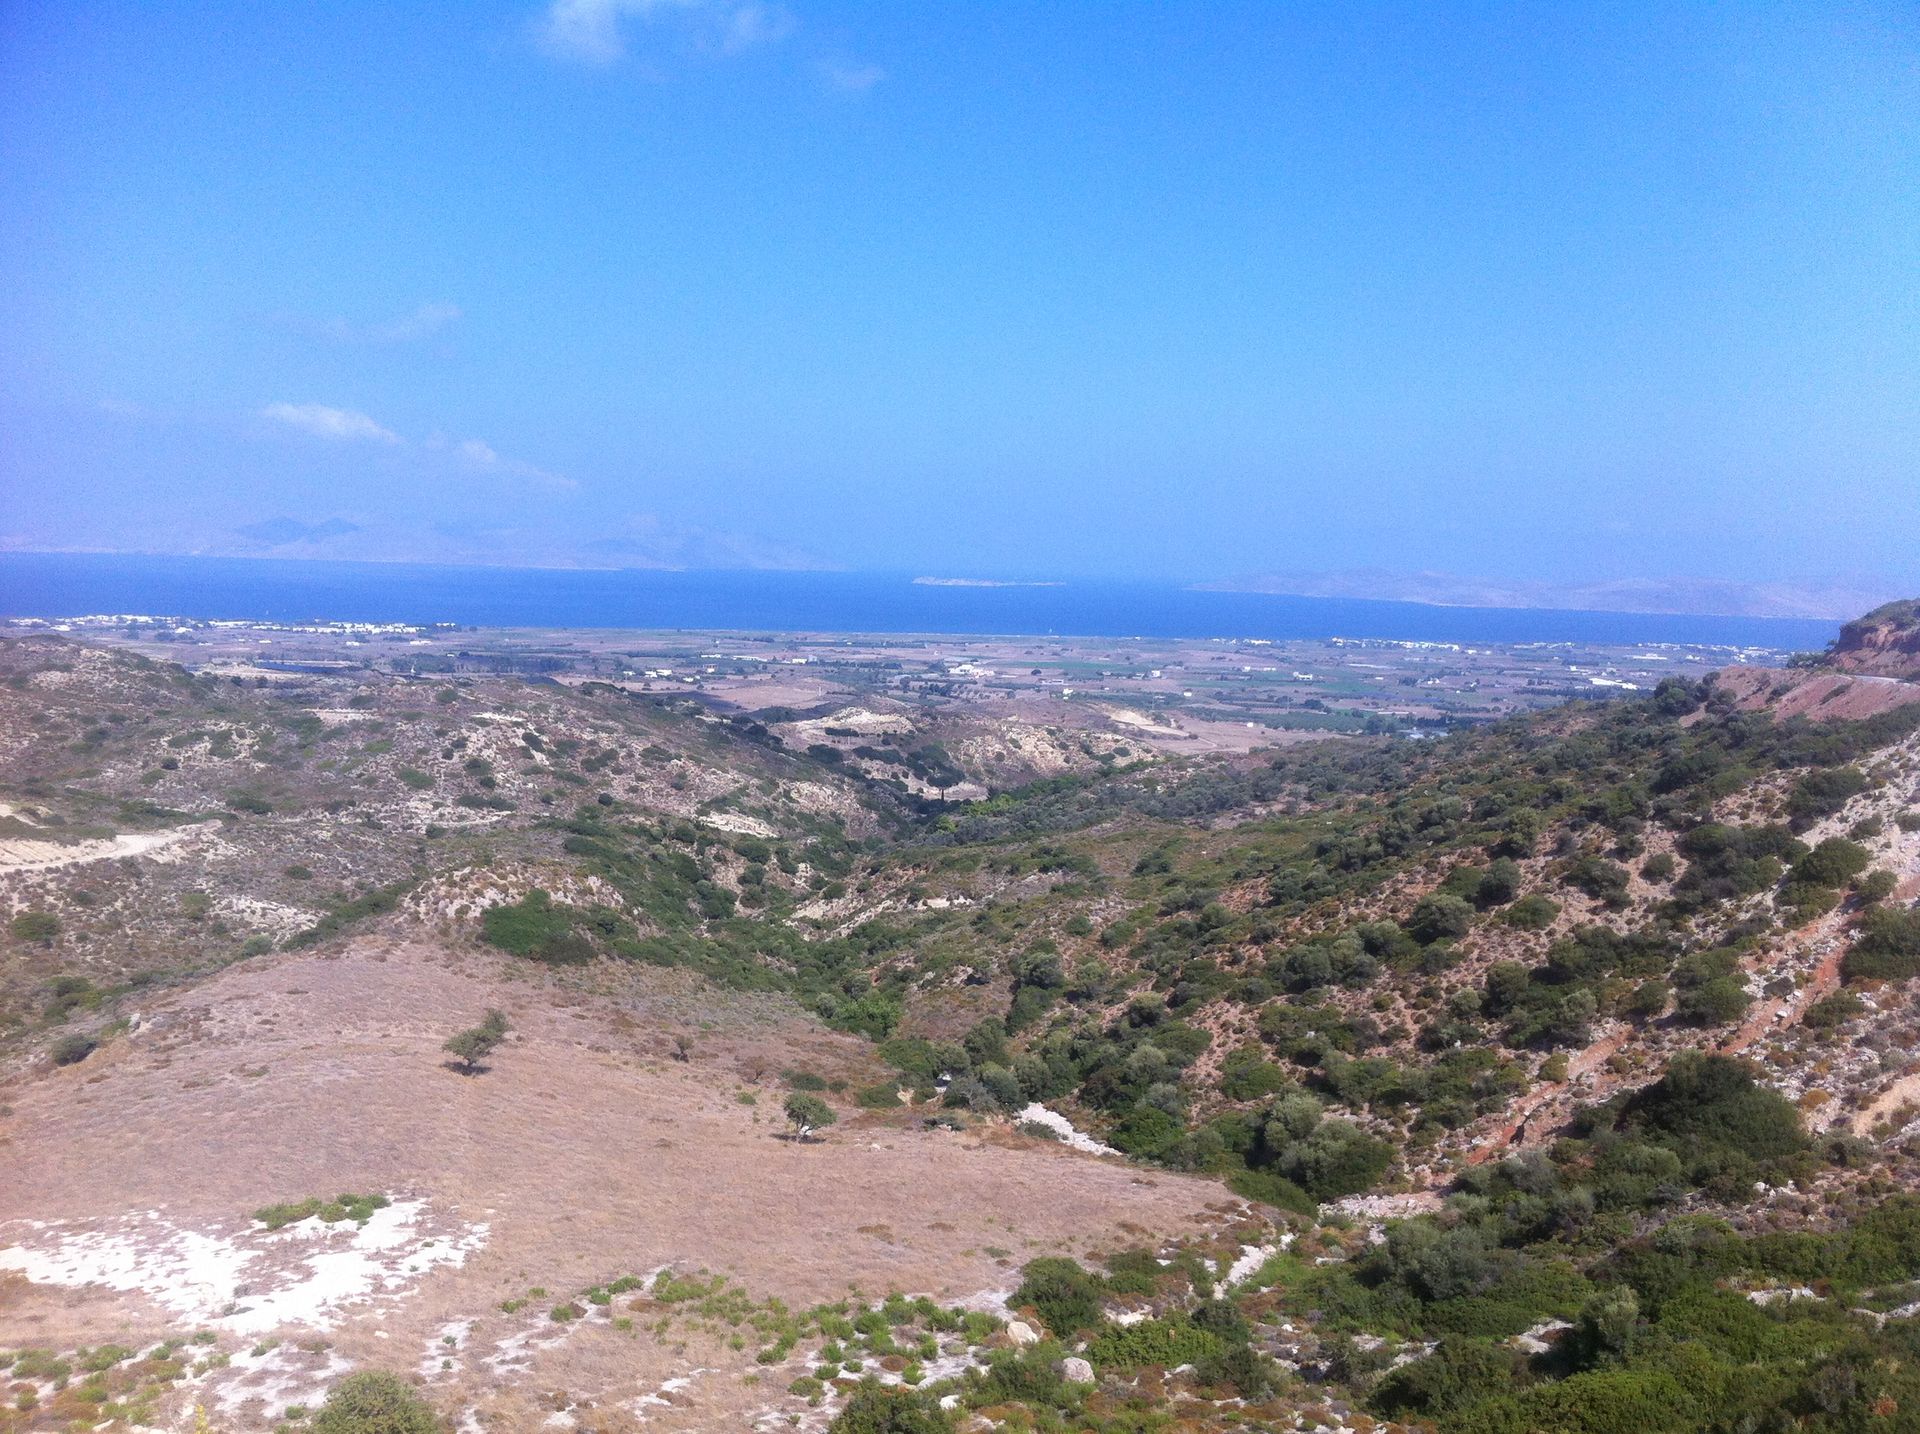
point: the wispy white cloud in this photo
(423, 322)
(339, 425)
(482, 457)
(589, 30)
(471, 455)
(593, 32)
(849, 77)
(756, 24)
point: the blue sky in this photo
(1191, 290)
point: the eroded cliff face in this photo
(1884, 643)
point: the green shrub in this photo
(1533, 912)
(1823, 792)
(1065, 1296)
(1167, 1342)
(1459, 1374)
(1337, 1158)
(1888, 948)
(1834, 1010)
(1439, 917)
(38, 927)
(536, 927)
(375, 1402)
(1876, 886)
(1716, 1002)
(71, 1050)
(808, 1113)
(1247, 1075)
(1709, 1111)
(876, 1409)
(358, 1208)
(1834, 862)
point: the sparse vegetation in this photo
(357, 1208)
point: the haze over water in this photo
(65, 585)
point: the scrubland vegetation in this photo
(1566, 1052)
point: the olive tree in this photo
(475, 1044)
(808, 1113)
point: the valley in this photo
(1408, 1047)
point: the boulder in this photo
(1021, 1333)
(1075, 1370)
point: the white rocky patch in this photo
(1252, 1258)
(1069, 1135)
(249, 1282)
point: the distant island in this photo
(1680, 596)
(984, 583)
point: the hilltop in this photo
(1556, 1073)
(1886, 642)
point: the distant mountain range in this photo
(1690, 596)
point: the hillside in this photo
(1559, 1073)
(1886, 642)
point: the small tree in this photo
(808, 1113)
(472, 1046)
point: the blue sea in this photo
(68, 585)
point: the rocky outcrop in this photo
(1884, 643)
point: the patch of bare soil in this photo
(582, 1155)
(1816, 694)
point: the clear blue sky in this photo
(1553, 290)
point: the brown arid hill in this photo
(1885, 643)
(1872, 667)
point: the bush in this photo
(1439, 917)
(1834, 863)
(1709, 1111)
(475, 1044)
(1888, 948)
(358, 1208)
(38, 927)
(1822, 793)
(375, 1402)
(1065, 1296)
(1876, 886)
(1835, 1010)
(535, 927)
(1272, 1189)
(1457, 1375)
(1168, 1342)
(1603, 880)
(1531, 913)
(71, 1050)
(1336, 1159)
(1246, 1075)
(876, 1409)
(1716, 1002)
